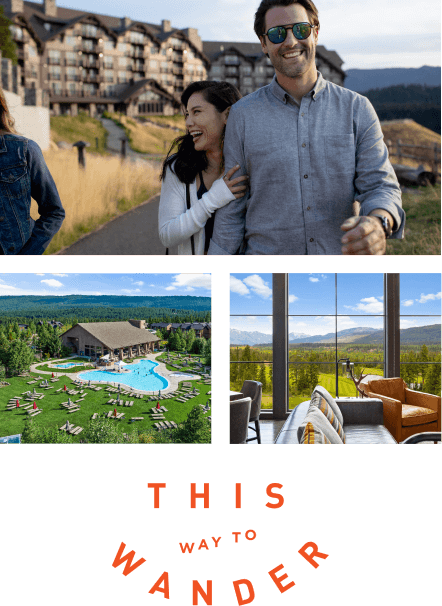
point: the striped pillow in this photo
(320, 421)
(311, 435)
(331, 402)
(320, 402)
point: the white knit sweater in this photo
(176, 224)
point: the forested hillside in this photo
(83, 308)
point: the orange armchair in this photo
(406, 412)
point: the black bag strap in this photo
(188, 206)
(192, 240)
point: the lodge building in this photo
(202, 329)
(116, 339)
(71, 60)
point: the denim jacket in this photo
(24, 174)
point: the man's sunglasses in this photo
(278, 34)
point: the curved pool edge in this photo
(173, 382)
(120, 377)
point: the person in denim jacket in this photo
(24, 174)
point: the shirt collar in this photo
(282, 95)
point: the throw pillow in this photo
(331, 401)
(321, 403)
(320, 421)
(311, 435)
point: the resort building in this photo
(245, 65)
(202, 329)
(71, 60)
(116, 339)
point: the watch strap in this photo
(385, 224)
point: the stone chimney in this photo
(50, 8)
(165, 26)
(192, 34)
(12, 6)
(138, 323)
(125, 22)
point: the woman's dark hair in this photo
(260, 15)
(188, 161)
(6, 120)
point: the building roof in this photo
(35, 16)
(115, 335)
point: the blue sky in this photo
(365, 34)
(197, 285)
(359, 301)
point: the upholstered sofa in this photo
(363, 421)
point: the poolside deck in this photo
(160, 369)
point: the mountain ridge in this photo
(359, 335)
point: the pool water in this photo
(182, 375)
(69, 364)
(11, 439)
(139, 375)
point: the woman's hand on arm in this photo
(237, 186)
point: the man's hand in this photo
(364, 236)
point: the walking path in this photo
(115, 134)
(132, 233)
(160, 369)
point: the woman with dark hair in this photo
(24, 175)
(193, 186)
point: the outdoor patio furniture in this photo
(253, 389)
(162, 425)
(137, 419)
(239, 420)
(75, 431)
(406, 412)
(363, 422)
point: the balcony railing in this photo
(54, 61)
(72, 78)
(54, 76)
(83, 94)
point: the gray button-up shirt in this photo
(307, 165)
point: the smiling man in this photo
(311, 149)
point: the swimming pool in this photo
(69, 364)
(182, 375)
(139, 375)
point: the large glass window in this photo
(304, 328)
(251, 333)
(333, 318)
(420, 331)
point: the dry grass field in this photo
(108, 187)
(411, 133)
(95, 195)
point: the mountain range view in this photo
(359, 335)
(361, 80)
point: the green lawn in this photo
(12, 422)
(346, 388)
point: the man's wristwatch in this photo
(385, 225)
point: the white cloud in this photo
(39, 274)
(370, 305)
(61, 275)
(190, 281)
(258, 286)
(425, 298)
(293, 298)
(238, 286)
(138, 283)
(128, 291)
(52, 283)
(314, 279)
(4, 287)
(408, 303)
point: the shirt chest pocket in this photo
(340, 154)
(13, 181)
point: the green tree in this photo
(190, 338)
(7, 45)
(208, 352)
(37, 434)
(194, 430)
(105, 431)
(20, 357)
(433, 380)
(198, 346)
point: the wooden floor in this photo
(269, 431)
